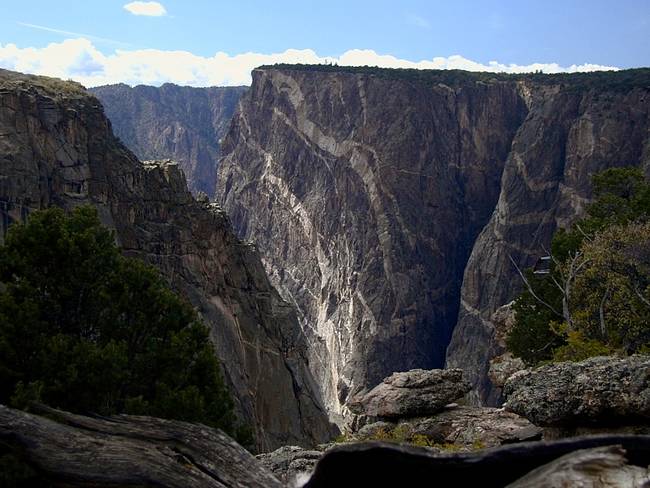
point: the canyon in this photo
(390, 208)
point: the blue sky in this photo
(512, 33)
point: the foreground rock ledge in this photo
(72, 450)
(388, 465)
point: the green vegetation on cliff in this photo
(596, 297)
(85, 329)
(612, 81)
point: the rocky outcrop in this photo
(412, 393)
(57, 148)
(182, 123)
(615, 459)
(572, 131)
(456, 427)
(385, 201)
(597, 391)
(76, 451)
(474, 427)
(292, 465)
(415, 407)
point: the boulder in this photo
(412, 393)
(292, 465)
(74, 451)
(597, 391)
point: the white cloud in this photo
(80, 60)
(151, 9)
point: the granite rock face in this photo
(364, 196)
(597, 391)
(181, 123)
(387, 205)
(57, 148)
(76, 451)
(412, 393)
(568, 135)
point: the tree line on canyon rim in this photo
(577, 82)
(593, 298)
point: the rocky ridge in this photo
(388, 204)
(181, 123)
(57, 148)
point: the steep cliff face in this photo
(177, 122)
(569, 135)
(57, 148)
(366, 192)
(364, 196)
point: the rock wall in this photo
(182, 123)
(57, 148)
(364, 196)
(385, 201)
(568, 136)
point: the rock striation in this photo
(412, 393)
(76, 451)
(602, 391)
(388, 204)
(182, 123)
(57, 148)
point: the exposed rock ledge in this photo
(601, 391)
(73, 450)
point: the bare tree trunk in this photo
(601, 313)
